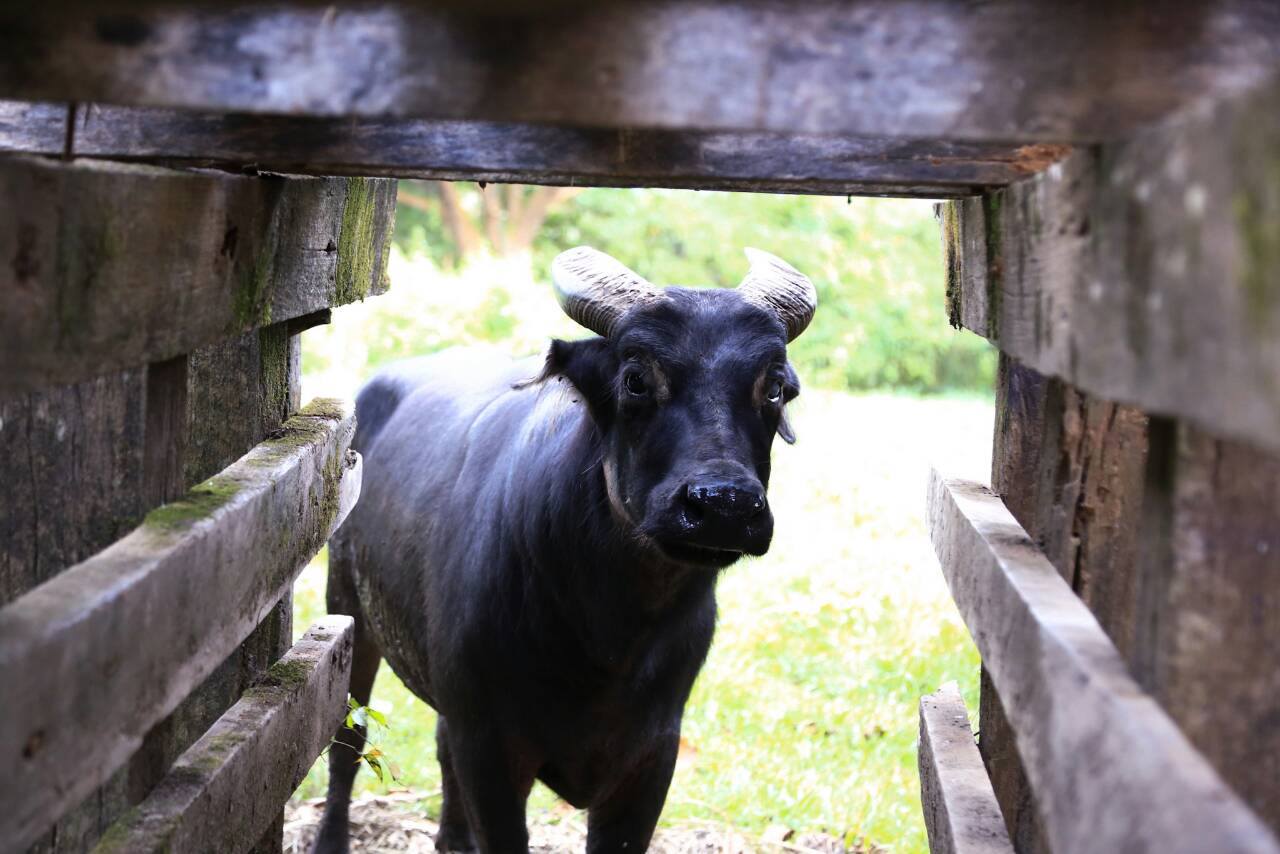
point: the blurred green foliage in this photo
(877, 264)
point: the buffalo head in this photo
(688, 387)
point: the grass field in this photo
(805, 714)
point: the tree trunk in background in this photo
(493, 219)
(537, 204)
(463, 231)
(508, 221)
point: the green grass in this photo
(806, 711)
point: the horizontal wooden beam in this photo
(524, 153)
(108, 266)
(1147, 272)
(225, 791)
(1108, 769)
(960, 810)
(933, 69)
(152, 615)
(38, 128)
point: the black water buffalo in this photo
(537, 544)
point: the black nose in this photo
(735, 500)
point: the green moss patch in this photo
(952, 256)
(364, 239)
(1257, 213)
(329, 408)
(199, 503)
(251, 302)
(288, 674)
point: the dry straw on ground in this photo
(390, 823)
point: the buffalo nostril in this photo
(695, 502)
(722, 501)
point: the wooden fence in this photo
(1112, 225)
(1129, 701)
(163, 488)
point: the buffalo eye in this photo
(635, 384)
(773, 391)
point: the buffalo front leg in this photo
(493, 782)
(624, 823)
(455, 830)
(348, 743)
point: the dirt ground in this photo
(392, 823)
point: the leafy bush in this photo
(877, 264)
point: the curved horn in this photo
(595, 290)
(776, 286)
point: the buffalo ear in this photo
(588, 364)
(784, 428)
(790, 390)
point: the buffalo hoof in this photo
(455, 839)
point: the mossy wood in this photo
(961, 814)
(138, 617)
(1038, 71)
(1146, 272)
(128, 442)
(226, 790)
(525, 153)
(110, 266)
(1078, 707)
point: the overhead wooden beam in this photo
(523, 153)
(960, 810)
(1146, 272)
(224, 792)
(109, 266)
(153, 615)
(1077, 706)
(933, 69)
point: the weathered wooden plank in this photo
(999, 750)
(79, 435)
(109, 266)
(1148, 273)
(960, 810)
(40, 128)
(928, 69)
(251, 528)
(224, 792)
(73, 471)
(245, 375)
(1070, 469)
(1209, 615)
(509, 152)
(1078, 710)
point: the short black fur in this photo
(535, 554)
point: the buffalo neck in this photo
(583, 560)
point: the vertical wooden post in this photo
(1070, 468)
(1209, 612)
(73, 476)
(166, 431)
(256, 377)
